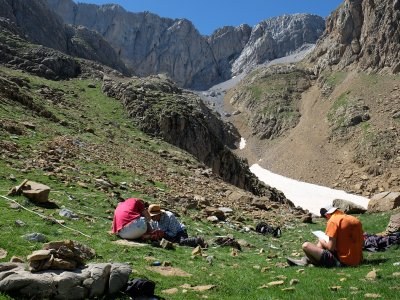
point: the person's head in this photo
(155, 211)
(327, 211)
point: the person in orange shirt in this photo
(345, 244)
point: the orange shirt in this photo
(348, 232)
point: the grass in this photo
(116, 151)
(336, 78)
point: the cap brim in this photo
(156, 213)
(331, 210)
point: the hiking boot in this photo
(304, 261)
(193, 242)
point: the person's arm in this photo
(330, 245)
(146, 215)
(174, 226)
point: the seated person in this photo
(131, 219)
(173, 230)
(345, 244)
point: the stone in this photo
(119, 276)
(3, 253)
(35, 237)
(36, 192)
(384, 201)
(40, 254)
(166, 244)
(95, 280)
(348, 207)
(394, 224)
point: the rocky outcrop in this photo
(361, 33)
(278, 37)
(45, 28)
(268, 99)
(384, 201)
(149, 44)
(227, 44)
(160, 108)
(16, 52)
(92, 281)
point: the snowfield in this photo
(306, 195)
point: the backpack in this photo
(140, 287)
(264, 228)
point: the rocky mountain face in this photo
(184, 121)
(149, 44)
(333, 116)
(278, 37)
(38, 24)
(268, 99)
(156, 104)
(364, 34)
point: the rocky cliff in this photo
(38, 24)
(278, 37)
(158, 107)
(149, 44)
(364, 34)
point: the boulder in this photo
(95, 280)
(348, 207)
(384, 201)
(394, 224)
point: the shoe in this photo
(298, 262)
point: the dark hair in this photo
(323, 211)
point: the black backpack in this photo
(140, 287)
(264, 228)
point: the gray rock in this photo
(394, 224)
(348, 207)
(93, 281)
(68, 214)
(119, 276)
(150, 44)
(351, 36)
(384, 201)
(35, 237)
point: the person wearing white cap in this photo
(343, 246)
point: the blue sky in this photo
(208, 15)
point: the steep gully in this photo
(306, 195)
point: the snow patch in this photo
(242, 143)
(306, 195)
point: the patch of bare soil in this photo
(309, 153)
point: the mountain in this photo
(41, 26)
(361, 34)
(149, 44)
(332, 119)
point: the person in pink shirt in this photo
(131, 219)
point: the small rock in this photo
(19, 223)
(371, 275)
(369, 295)
(3, 253)
(35, 237)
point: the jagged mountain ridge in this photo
(150, 44)
(155, 104)
(347, 131)
(364, 34)
(38, 24)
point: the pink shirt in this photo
(126, 212)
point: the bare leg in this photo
(313, 252)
